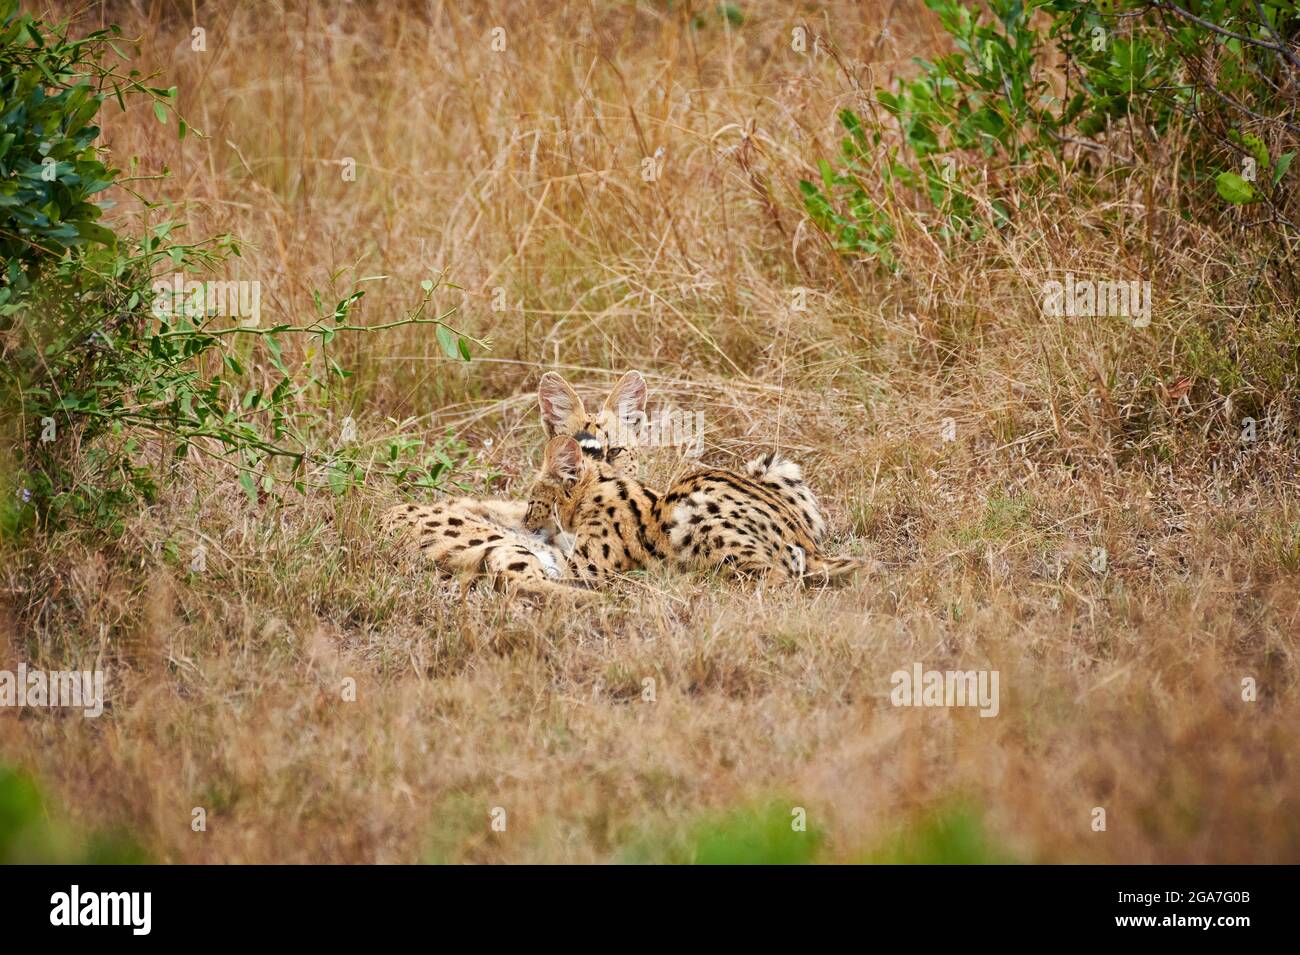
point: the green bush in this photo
(49, 166)
(28, 836)
(103, 361)
(753, 834)
(952, 834)
(1131, 70)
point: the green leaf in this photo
(447, 340)
(160, 111)
(249, 485)
(1234, 189)
(464, 349)
(95, 233)
(1256, 147)
(1283, 164)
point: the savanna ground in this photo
(522, 170)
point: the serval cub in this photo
(713, 518)
(487, 537)
(466, 536)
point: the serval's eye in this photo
(613, 453)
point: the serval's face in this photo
(554, 495)
(608, 434)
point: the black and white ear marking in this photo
(589, 443)
(560, 404)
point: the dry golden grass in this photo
(522, 170)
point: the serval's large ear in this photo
(562, 460)
(627, 400)
(562, 410)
